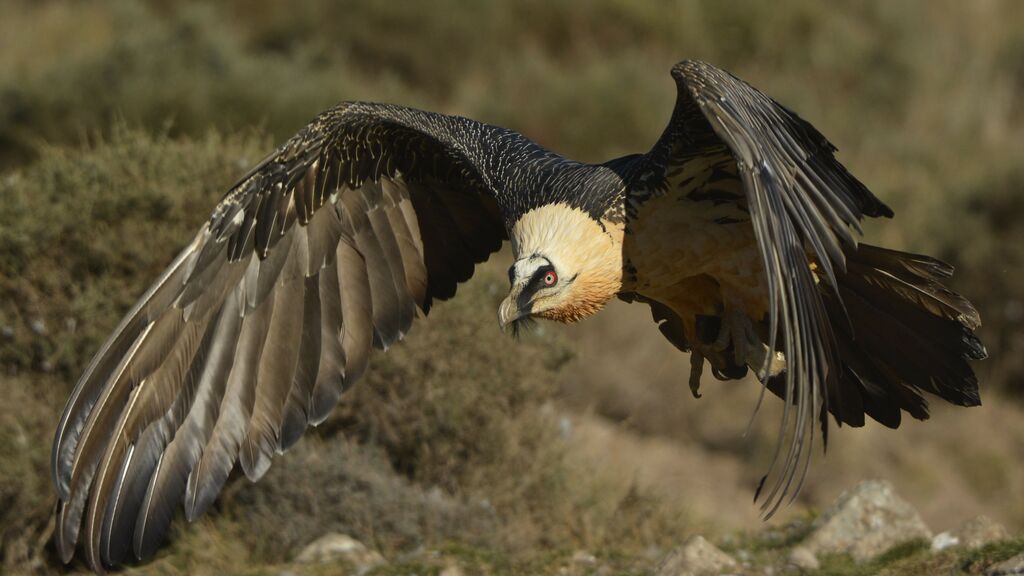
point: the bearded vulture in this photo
(736, 230)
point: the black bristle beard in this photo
(524, 324)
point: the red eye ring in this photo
(550, 278)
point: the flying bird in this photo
(737, 230)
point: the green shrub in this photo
(924, 98)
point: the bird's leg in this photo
(696, 371)
(737, 329)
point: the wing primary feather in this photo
(267, 272)
(88, 388)
(194, 435)
(324, 231)
(222, 449)
(112, 549)
(168, 482)
(356, 309)
(277, 366)
(153, 401)
(295, 417)
(158, 410)
(329, 383)
(138, 362)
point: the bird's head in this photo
(567, 267)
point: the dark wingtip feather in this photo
(292, 429)
(325, 397)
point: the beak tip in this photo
(508, 313)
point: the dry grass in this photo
(925, 99)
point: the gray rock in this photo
(972, 534)
(334, 547)
(865, 522)
(944, 540)
(38, 326)
(979, 531)
(1011, 567)
(584, 558)
(452, 570)
(803, 560)
(697, 557)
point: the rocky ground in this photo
(869, 530)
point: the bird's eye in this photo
(550, 278)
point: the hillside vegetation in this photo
(122, 123)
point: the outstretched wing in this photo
(802, 205)
(322, 252)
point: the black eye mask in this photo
(537, 280)
(536, 283)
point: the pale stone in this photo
(1011, 567)
(335, 547)
(803, 559)
(697, 557)
(944, 540)
(584, 558)
(452, 570)
(865, 522)
(980, 531)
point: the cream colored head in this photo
(568, 265)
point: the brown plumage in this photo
(736, 229)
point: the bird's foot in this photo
(736, 330)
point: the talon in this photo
(724, 337)
(741, 335)
(696, 371)
(736, 330)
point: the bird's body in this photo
(735, 229)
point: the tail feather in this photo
(900, 332)
(916, 278)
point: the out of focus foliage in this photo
(123, 121)
(925, 98)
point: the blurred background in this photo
(122, 123)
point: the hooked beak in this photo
(515, 307)
(509, 311)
